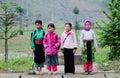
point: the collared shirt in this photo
(70, 42)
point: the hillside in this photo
(62, 10)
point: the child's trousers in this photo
(52, 62)
(69, 66)
(88, 66)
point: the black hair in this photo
(69, 24)
(51, 25)
(38, 21)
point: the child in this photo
(88, 45)
(37, 46)
(51, 44)
(68, 48)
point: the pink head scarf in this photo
(85, 24)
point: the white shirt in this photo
(70, 41)
(87, 35)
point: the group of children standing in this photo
(46, 46)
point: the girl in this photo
(68, 47)
(51, 44)
(88, 45)
(37, 46)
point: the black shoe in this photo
(32, 73)
(90, 73)
(85, 73)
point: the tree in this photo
(110, 32)
(20, 11)
(76, 12)
(7, 18)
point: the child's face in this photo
(51, 29)
(67, 27)
(38, 26)
(88, 25)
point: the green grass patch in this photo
(102, 55)
(111, 65)
(23, 64)
(104, 62)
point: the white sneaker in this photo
(71, 74)
(67, 74)
(40, 72)
(54, 73)
(37, 72)
(49, 72)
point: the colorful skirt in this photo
(89, 54)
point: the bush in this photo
(110, 32)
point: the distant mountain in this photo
(62, 10)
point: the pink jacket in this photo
(51, 43)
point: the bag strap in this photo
(32, 34)
(56, 38)
(65, 39)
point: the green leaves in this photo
(20, 10)
(13, 34)
(7, 20)
(76, 10)
(110, 32)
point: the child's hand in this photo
(83, 50)
(46, 47)
(74, 51)
(62, 51)
(94, 49)
(33, 49)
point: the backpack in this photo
(56, 40)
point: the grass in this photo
(111, 65)
(18, 62)
(23, 64)
(104, 62)
(102, 55)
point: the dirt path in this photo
(96, 75)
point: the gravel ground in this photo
(97, 73)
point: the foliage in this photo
(111, 65)
(110, 32)
(77, 26)
(7, 18)
(76, 10)
(21, 12)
